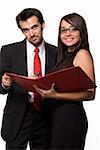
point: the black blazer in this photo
(13, 58)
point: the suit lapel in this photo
(21, 58)
(50, 57)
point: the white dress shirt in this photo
(30, 59)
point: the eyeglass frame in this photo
(71, 29)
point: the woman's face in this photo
(69, 35)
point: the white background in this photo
(52, 11)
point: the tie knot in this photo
(36, 50)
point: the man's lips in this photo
(34, 38)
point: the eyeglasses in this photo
(71, 30)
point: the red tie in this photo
(37, 63)
(37, 69)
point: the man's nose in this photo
(31, 32)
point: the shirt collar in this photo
(31, 47)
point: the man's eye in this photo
(34, 27)
(25, 30)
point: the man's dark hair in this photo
(27, 13)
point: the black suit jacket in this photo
(13, 58)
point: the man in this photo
(22, 122)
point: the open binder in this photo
(66, 80)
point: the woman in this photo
(69, 122)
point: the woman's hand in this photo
(51, 93)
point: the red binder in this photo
(66, 80)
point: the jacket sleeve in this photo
(4, 66)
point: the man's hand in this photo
(6, 81)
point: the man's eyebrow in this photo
(36, 25)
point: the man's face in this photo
(33, 30)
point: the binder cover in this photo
(66, 80)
